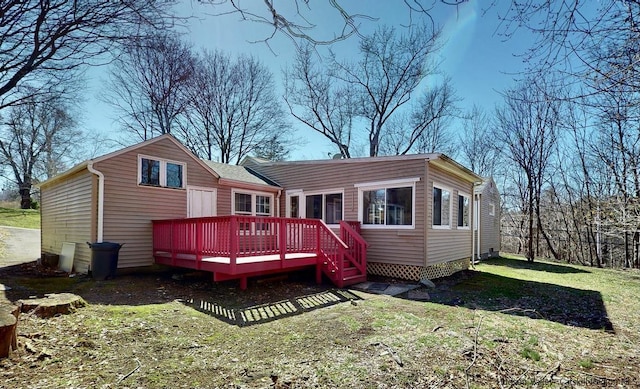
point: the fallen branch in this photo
(523, 310)
(513, 384)
(131, 372)
(550, 373)
(390, 351)
(475, 351)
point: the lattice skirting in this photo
(416, 273)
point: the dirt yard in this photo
(479, 329)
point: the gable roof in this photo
(83, 165)
(487, 183)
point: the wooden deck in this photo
(238, 247)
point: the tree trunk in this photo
(25, 196)
(8, 328)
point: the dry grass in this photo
(507, 324)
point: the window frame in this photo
(385, 185)
(469, 221)
(253, 227)
(303, 203)
(450, 191)
(492, 209)
(162, 172)
(254, 204)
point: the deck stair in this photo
(238, 247)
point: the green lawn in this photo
(25, 218)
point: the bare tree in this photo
(477, 143)
(45, 42)
(425, 128)
(303, 20)
(579, 39)
(36, 134)
(233, 108)
(273, 149)
(319, 102)
(148, 84)
(528, 128)
(390, 69)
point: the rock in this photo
(418, 295)
(427, 282)
(53, 304)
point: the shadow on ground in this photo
(266, 299)
(537, 300)
(272, 311)
(537, 266)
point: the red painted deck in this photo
(244, 246)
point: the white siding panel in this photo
(68, 211)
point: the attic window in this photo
(161, 173)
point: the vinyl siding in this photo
(388, 245)
(447, 244)
(129, 207)
(489, 225)
(68, 215)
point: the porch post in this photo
(234, 236)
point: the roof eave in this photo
(248, 185)
(453, 167)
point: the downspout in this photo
(278, 202)
(479, 224)
(100, 200)
(473, 229)
(475, 235)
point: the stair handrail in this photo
(347, 230)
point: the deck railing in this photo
(356, 252)
(239, 236)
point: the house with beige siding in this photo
(486, 226)
(115, 197)
(414, 213)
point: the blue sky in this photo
(479, 61)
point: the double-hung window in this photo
(464, 211)
(387, 204)
(160, 172)
(441, 207)
(252, 204)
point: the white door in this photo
(201, 202)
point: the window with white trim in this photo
(464, 211)
(492, 209)
(325, 206)
(388, 204)
(441, 207)
(160, 172)
(252, 204)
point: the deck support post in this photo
(243, 283)
(318, 273)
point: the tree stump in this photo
(9, 314)
(53, 304)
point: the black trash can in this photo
(104, 259)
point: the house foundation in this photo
(416, 273)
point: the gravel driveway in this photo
(19, 245)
